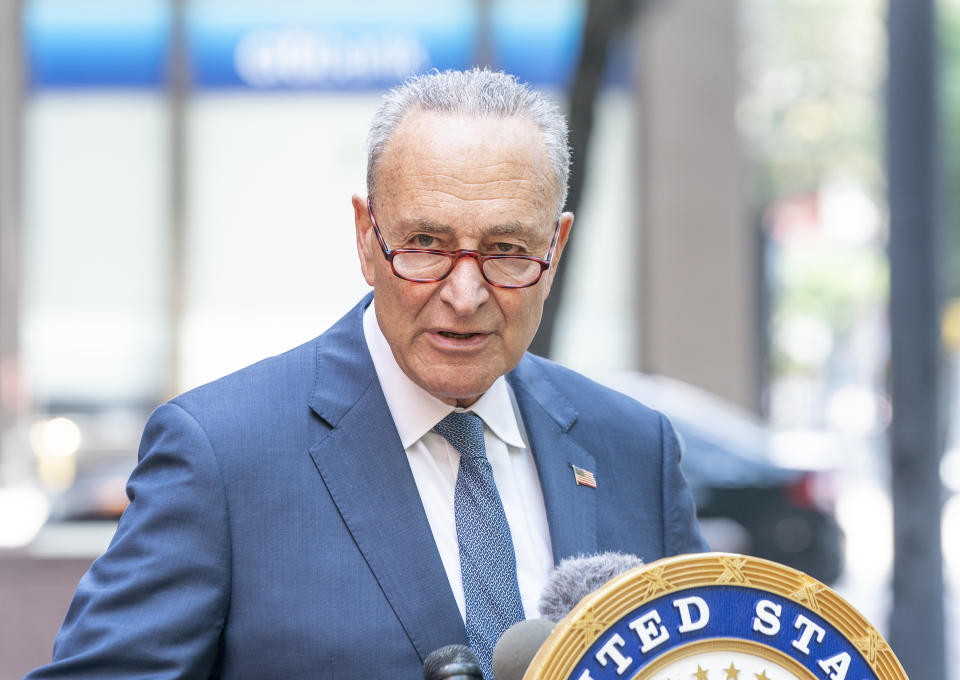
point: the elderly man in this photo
(408, 479)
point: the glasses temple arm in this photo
(553, 243)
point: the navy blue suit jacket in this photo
(275, 529)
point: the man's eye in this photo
(424, 241)
(507, 248)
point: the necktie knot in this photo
(464, 431)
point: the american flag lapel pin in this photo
(584, 477)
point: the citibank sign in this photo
(293, 45)
(298, 58)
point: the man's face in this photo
(447, 182)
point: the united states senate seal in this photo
(714, 616)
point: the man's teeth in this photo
(458, 336)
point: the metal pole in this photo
(11, 98)
(604, 18)
(917, 617)
(177, 87)
(483, 53)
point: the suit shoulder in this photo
(587, 396)
(283, 376)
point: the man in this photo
(406, 480)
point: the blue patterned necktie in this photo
(488, 566)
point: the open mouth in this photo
(457, 336)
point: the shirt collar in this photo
(415, 411)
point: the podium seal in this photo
(714, 616)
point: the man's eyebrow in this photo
(426, 226)
(512, 227)
(507, 229)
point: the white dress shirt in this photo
(434, 463)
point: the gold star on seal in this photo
(733, 673)
(762, 675)
(700, 674)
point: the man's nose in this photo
(465, 289)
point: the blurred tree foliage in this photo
(949, 25)
(812, 118)
(814, 73)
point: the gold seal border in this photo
(597, 612)
(725, 645)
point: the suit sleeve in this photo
(154, 604)
(680, 531)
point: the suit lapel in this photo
(547, 417)
(363, 465)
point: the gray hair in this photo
(478, 92)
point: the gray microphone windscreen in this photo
(452, 661)
(517, 646)
(576, 577)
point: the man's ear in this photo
(365, 237)
(566, 223)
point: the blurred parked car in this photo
(745, 502)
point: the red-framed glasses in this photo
(425, 265)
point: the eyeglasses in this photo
(424, 265)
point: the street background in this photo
(176, 182)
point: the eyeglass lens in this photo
(500, 271)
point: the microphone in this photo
(576, 577)
(453, 662)
(517, 646)
(572, 580)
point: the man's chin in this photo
(461, 400)
(457, 393)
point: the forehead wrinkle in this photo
(437, 196)
(518, 184)
(519, 170)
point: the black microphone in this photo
(517, 646)
(576, 577)
(453, 662)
